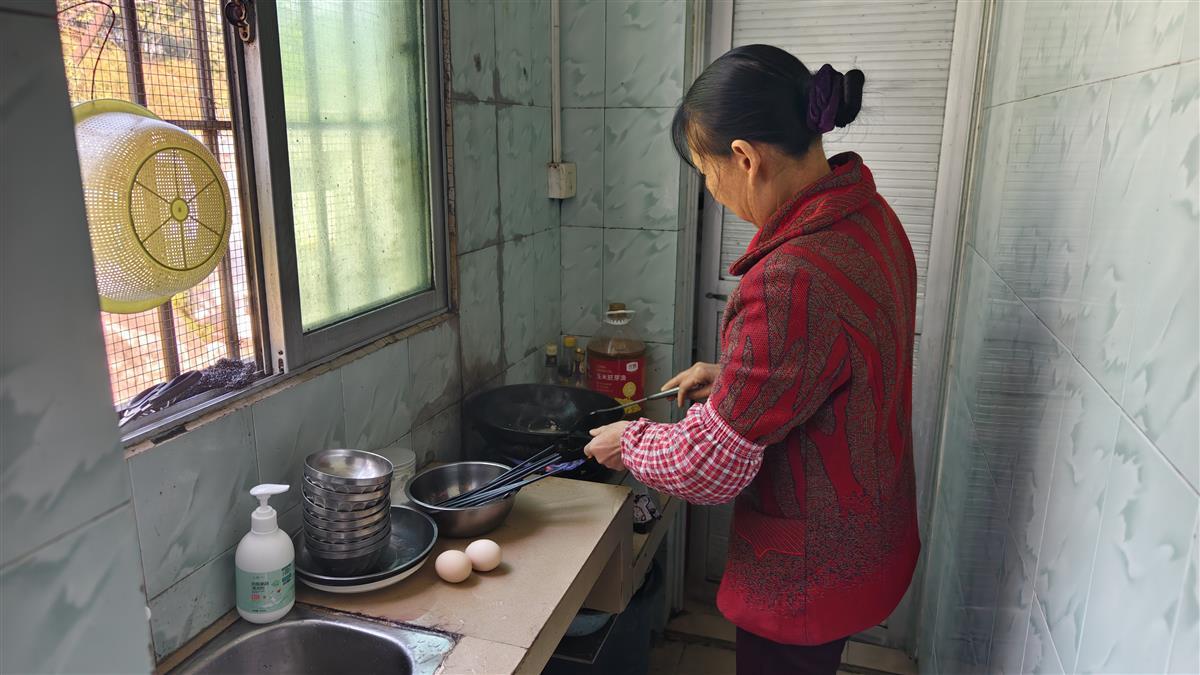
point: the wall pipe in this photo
(555, 84)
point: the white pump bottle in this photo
(265, 579)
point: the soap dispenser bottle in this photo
(265, 578)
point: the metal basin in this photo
(322, 513)
(439, 483)
(309, 640)
(345, 525)
(347, 468)
(337, 501)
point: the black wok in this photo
(538, 414)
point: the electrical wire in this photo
(112, 20)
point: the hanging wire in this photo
(112, 20)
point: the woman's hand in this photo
(605, 446)
(695, 382)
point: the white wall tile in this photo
(1081, 465)
(1046, 208)
(644, 53)
(524, 146)
(1185, 648)
(61, 464)
(514, 48)
(1065, 45)
(183, 610)
(1162, 393)
(476, 182)
(583, 144)
(1136, 134)
(291, 425)
(375, 397)
(192, 497)
(583, 53)
(1040, 654)
(1013, 615)
(480, 317)
(518, 303)
(1145, 539)
(76, 605)
(988, 191)
(529, 369)
(435, 375)
(639, 270)
(1190, 44)
(582, 280)
(547, 285)
(473, 48)
(641, 170)
(440, 438)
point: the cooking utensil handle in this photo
(538, 461)
(500, 492)
(571, 455)
(670, 393)
(491, 494)
(674, 391)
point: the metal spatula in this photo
(670, 393)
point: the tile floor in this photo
(699, 641)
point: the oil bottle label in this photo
(263, 592)
(622, 379)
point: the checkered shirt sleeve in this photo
(701, 459)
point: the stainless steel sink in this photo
(310, 640)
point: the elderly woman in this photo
(806, 421)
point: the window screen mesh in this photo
(169, 56)
(356, 153)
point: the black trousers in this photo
(760, 656)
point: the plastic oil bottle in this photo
(616, 358)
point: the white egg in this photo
(484, 555)
(453, 566)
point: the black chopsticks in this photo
(515, 478)
(538, 461)
(501, 491)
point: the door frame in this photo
(711, 293)
(711, 290)
(963, 87)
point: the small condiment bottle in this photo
(577, 376)
(551, 364)
(566, 364)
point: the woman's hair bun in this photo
(852, 92)
(761, 93)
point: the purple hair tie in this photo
(824, 97)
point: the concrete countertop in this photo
(556, 542)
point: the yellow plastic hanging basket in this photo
(157, 204)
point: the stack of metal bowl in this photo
(347, 508)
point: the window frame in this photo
(289, 347)
(265, 199)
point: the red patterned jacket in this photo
(816, 384)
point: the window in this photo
(169, 56)
(329, 122)
(356, 153)
(356, 210)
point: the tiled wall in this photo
(189, 497)
(70, 579)
(622, 75)
(190, 494)
(1065, 531)
(508, 246)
